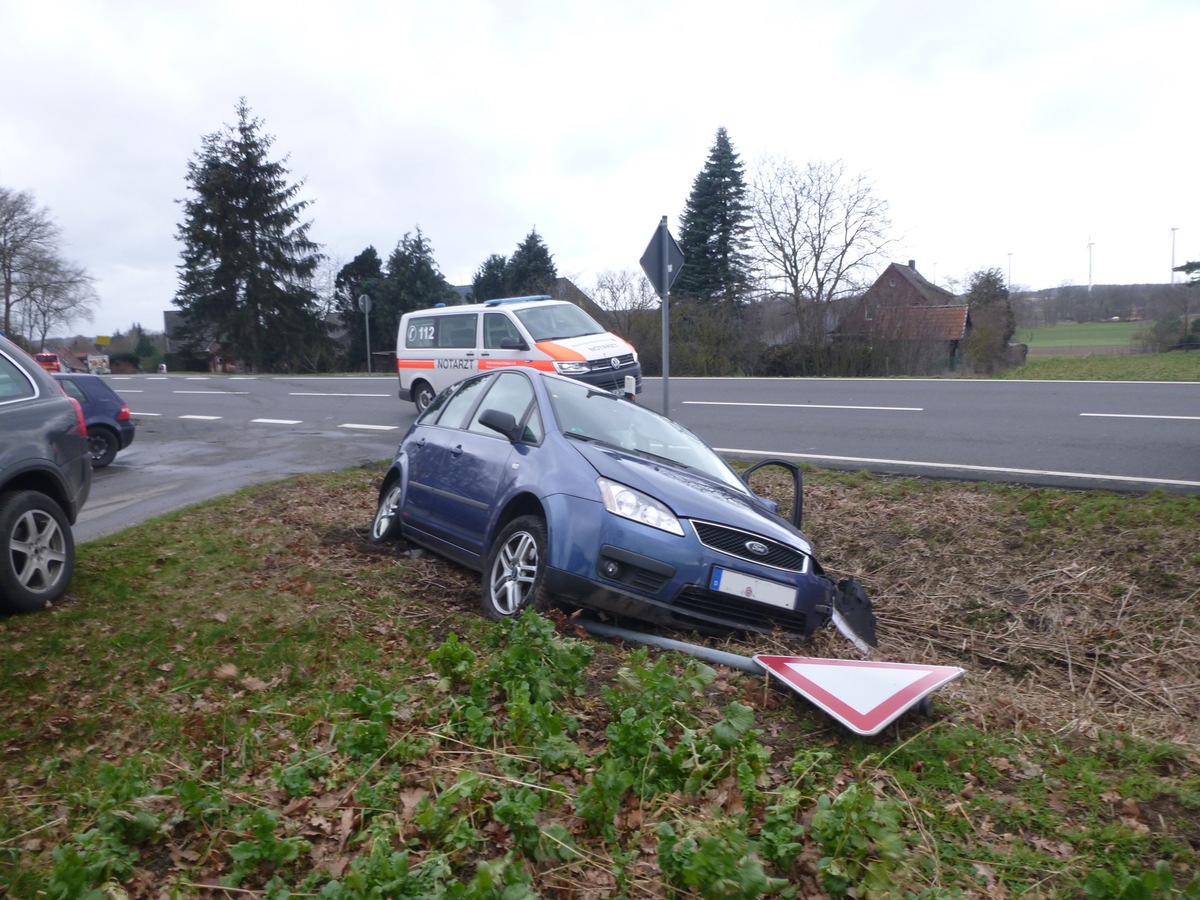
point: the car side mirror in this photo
(797, 485)
(510, 343)
(500, 421)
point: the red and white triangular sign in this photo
(864, 696)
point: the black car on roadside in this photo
(45, 477)
(110, 427)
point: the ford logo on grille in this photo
(615, 362)
(757, 548)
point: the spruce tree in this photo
(412, 281)
(247, 260)
(530, 270)
(713, 230)
(488, 282)
(359, 276)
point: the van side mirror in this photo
(511, 343)
(500, 421)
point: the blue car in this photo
(110, 427)
(559, 492)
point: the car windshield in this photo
(557, 321)
(587, 414)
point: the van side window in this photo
(447, 331)
(457, 332)
(497, 328)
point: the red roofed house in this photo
(908, 324)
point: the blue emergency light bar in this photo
(497, 302)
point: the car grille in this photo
(732, 541)
(605, 364)
(725, 608)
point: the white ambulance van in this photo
(437, 347)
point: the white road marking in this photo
(202, 418)
(319, 394)
(960, 467)
(234, 393)
(803, 406)
(1132, 416)
(371, 427)
(277, 421)
(144, 414)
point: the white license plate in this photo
(751, 588)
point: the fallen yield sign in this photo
(864, 696)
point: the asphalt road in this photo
(203, 436)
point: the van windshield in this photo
(557, 321)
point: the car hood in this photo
(689, 495)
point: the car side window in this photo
(72, 390)
(513, 394)
(458, 407)
(14, 384)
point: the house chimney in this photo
(912, 264)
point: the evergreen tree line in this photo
(248, 271)
(770, 262)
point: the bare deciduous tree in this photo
(819, 231)
(27, 236)
(58, 294)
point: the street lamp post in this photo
(1173, 230)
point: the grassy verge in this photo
(1084, 334)
(248, 699)
(1178, 366)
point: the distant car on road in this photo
(45, 477)
(110, 427)
(48, 361)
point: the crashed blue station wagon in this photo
(559, 492)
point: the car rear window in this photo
(14, 383)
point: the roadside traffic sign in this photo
(662, 260)
(864, 696)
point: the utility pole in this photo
(1089, 263)
(1173, 230)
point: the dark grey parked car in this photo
(45, 477)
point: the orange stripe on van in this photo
(414, 364)
(559, 352)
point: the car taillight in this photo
(82, 425)
(123, 415)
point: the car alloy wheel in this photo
(516, 569)
(38, 552)
(387, 517)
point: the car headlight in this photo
(572, 368)
(630, 504)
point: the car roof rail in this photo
(500, 300)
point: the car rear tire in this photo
(102, 445)
(422, 394)
(386, 526)
(515, 571)
(38, 557)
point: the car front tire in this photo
(386, 526)
(102, 445)
(515, 570)
(38, 551)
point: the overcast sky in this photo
(1004, 134)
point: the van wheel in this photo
(422, 395)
